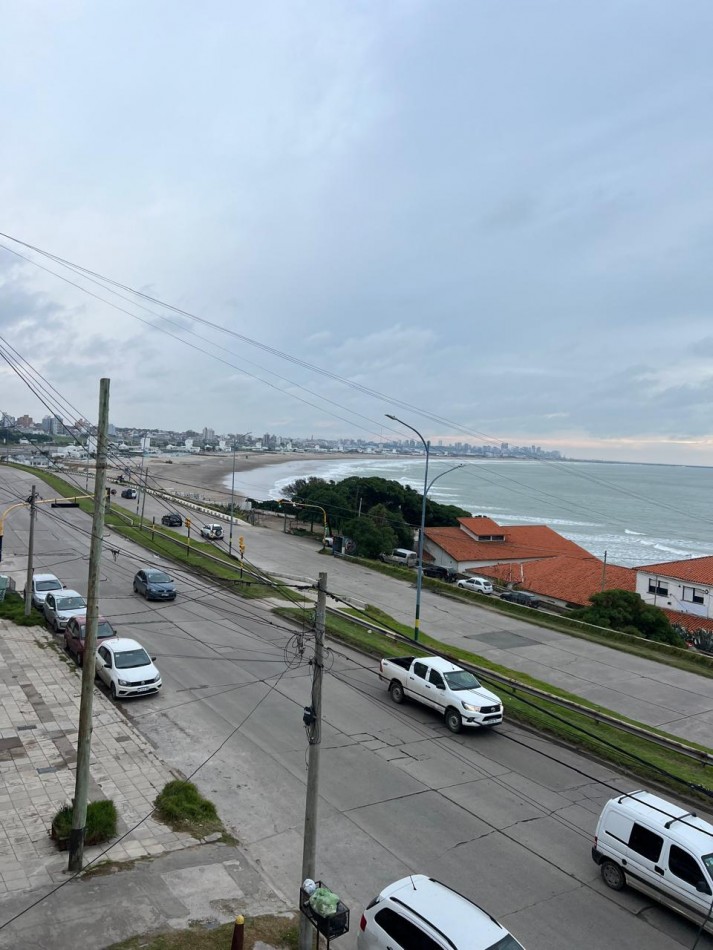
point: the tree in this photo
(624, 610)
(370, 538)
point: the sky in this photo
(492, 218)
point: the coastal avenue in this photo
(498, 815)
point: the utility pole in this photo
(84, 739)
(30, 554)
(604, 570)
(313, 723)
(232, 505)
(143, 500)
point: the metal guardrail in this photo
(665, 742)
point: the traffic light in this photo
(241, 545)
(188, 522)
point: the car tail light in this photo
(596, 841)
(362, 922)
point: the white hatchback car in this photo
(479, 584)
(418, 911)
(126, 668)
(42, 584)
(61, 605)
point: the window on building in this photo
(645, 842)
(693, 595)
(658, 587)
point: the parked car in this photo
(439, 573)
(126, 668)
(213, 532)
(452, 691)
(129, 493)
(59, 606)
(42, 584)
(154, 584)
(400, 556)
(660, 849)
(172, 519)
(75, 635)
(479, 584)
(521, 597)
(420, 912)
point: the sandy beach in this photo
(206, 474)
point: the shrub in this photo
(183, 808)
(13, 608)
(100, 827)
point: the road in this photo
(504, 816)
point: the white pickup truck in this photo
(445, 687)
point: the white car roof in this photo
(438, 663)
(69, 593)
(654, 810)
(122, 644)
(454, 915)
(45, 577)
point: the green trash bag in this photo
(324, 902)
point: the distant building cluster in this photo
(132, 439)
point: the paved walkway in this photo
(39, 713)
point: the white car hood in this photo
(75, 612)
(137, 674)
(477, 697)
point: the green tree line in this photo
(377, 513)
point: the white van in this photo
(401, 556)
(659, 849)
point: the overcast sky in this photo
(498, 212)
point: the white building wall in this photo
(688, 597)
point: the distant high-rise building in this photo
(25, 422)
(208, 435)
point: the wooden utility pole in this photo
(84, 739)
(30, 554)
(313, 722)
(143, 497)
(604, 570)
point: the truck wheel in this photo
(453, 719)
(397, 691)
(612, 875)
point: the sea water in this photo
(637, 514)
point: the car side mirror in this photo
(440, 685)
(153, 659)
(702, 887)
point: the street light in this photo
(419, 568)
(303, 504)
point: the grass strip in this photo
(202, 557)
(270, 930)
(542, 715)
(12, 607)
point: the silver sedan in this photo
(61, 605)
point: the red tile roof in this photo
(481, 525)
(522, 542)
(696, 569)
(569, 579)
(689, 621)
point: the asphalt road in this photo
(502, 815)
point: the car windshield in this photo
(461, 679)
(104, 629)
(48, 585)
(507, 943)
(129, 659)
(70, 603)
(157, 577)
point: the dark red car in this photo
(75, 632)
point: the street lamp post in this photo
(419, 567)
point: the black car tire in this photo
(78, 658)
(397, 692)
(612, 875)
(453, 720)
(112, 690)
(136, 589)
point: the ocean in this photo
(637, 514)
